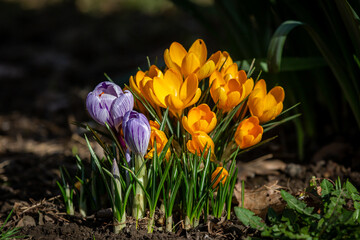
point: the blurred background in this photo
(53, 52)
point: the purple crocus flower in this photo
(120, 106)
(99, 101)
(136, 129)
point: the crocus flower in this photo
(174, 92)
(223, 175)
(120, 106)
(229, 87)
(266, 106)
(222, 60)
(137, 131)
(198, 143)
(142, 84)
(192, 61)
(99, 101)
(199, 118)
(161, 140)
(248, 133)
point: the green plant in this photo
(332, 213)
(10, 233)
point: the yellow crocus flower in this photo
(266, 106)
(192, 61)
(174, 92)
(223, 175)
(142, 85)
(248, 133)
(229, 87)
(222, 60)
(200, 118)
(161, 141)
(199, 141)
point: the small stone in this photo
(26, 221)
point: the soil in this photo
(49, 60)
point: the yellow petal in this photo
(248, 86)
(177, 53)
(169, 63)
(231, 72)
(199, 48)
(170, 84)
(190, 146)
(216, 75)
(260, 88)
(233, 100)
(153, 99)
(194, 115)
(256, 106)
(206, 70)
(190, 64)
(220, 97)
(133, 85)
(194, 99)
(186, 125)
(154, 71)
(188, 88)
(278, 93)
(174, 104)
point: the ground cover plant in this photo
(323, 211)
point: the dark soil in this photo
(49, 60)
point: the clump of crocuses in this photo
(177, 151)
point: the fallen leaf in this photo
(259, 200)
(260, 166)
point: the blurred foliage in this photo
(100, 7)
(328, 98)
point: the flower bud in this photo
(223, 175)
(266, 106)
(200, 118)
(120, 106)
(99, 101)
(198, 143)
(248, 133)
(137, 131)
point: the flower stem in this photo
(118, 226)
(187, 223)
(138, 210)
(151, 222)
(169, 223)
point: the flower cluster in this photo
(194, 118)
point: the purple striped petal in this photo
(98, 109)
(99, 101)
(136, 129)
(121, 105)
(108, 88)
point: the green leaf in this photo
(277, 43)
(326, 188)
(248, 218)
(298, 205)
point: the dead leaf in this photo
(259, 200)
(260, 166)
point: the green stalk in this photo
(187, 223)
(151, 222)
(69, 202)
(196, 222)
(82, 201)
(138, 210)
(169, 223)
